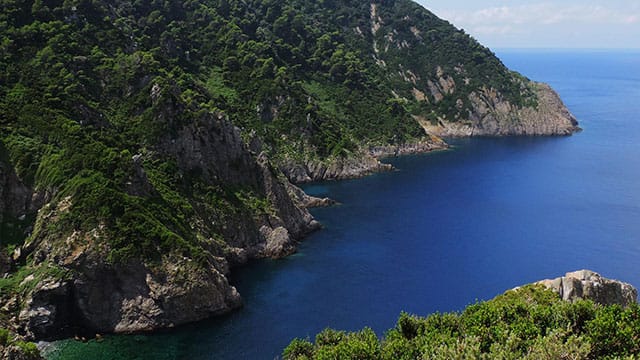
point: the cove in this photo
(445, 229)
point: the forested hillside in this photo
(142, 142)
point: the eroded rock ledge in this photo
(492, 115)
(589, 285)
(365, 163)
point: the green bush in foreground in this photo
(528, 323)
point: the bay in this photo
(446, 229)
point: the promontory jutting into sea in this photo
(173, 185)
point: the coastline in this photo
(366, 162)
(349, 169)
(383, 157)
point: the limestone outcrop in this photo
(589, 285)
(492, 115)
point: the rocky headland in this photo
(132, 175)
(492, 115)
(80, 289)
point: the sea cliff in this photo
(78, 287)
(494, 116)
(139, 165)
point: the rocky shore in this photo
(134, 296)
(74, 285)
(87, 174)
(494, 116)
(366, 162)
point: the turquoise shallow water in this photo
(445, 229)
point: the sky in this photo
(589, 24)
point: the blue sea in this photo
(446, 229)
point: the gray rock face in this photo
(290, 215)
(307, 201)
(333, 169)
(212, 147)
(586, 284)
(15, 197)
(133, 297)
(48, 309)
(123, 297)
(278, 241)
(365, 163)
(429, 143)
(494, 116)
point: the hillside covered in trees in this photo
(146, 146)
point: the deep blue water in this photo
(447, 228)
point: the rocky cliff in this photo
(145, 147)
(364, 162)
(15, 205)
(492, 115)
(77, 285)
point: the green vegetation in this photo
(5, 337)
(27, 277)
(92, 94)
(528, 323)
(27, 349)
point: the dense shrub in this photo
(528, 323)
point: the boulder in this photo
(278, 242)
(589, 285)
(304, 200)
